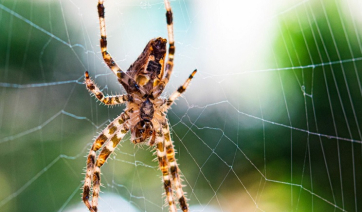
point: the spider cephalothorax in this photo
(144, 115)
(142, 118)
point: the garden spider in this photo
(144, 115)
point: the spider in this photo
(144, 115)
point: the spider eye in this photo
(150, 132)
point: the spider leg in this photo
(102, 158)
(107, 100)
(179, 91)
(162, 160)
(171, 47)
(123, 78)
(106, 134)
(176, 180)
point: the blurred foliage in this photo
(320, 39)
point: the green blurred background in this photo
(271, 121)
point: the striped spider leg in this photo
(171, 41)
(173, 166)
(144, 116)
(170, 151)
(171, 51)
(165, 169)
(179, 91)
(107, 100)
(111, 135)
(128, 82)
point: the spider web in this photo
(271, 121)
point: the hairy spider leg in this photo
(107, 100)
(106, 134)
(164, 167)
(175, 171)
(171, 41)
(102, 158)
(127, 81)
(179, 91)
(157, 90)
